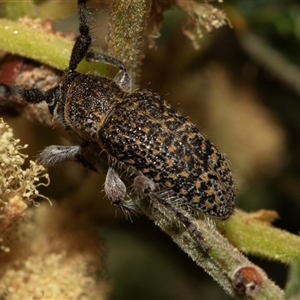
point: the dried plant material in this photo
(201, 15)
(46, 26)
(14, 70)
(263, 215)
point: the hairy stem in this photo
(222, 259)
(128, 24)
(252, 234)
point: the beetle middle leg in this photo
(115, 190)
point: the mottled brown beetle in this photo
(175, 164)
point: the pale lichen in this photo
(53, 276)
(18, 185)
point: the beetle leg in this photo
(122, 77)
(114, 187)
(115, 190)
(182, 218)
(143, 185)
(55, 154)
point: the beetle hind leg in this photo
(183, 218)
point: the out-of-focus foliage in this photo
(245, 102)
(40, 257)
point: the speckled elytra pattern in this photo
(145, 133)
(177, 165)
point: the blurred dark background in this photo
(242, 88)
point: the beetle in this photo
(174, 163)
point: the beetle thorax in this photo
(87, 102)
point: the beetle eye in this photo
(52, 98)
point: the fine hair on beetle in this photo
(172, 162)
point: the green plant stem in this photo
(222, 258)
(128, 24)
(37, 44)
(253, 236)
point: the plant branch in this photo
(126, 39)
(253, 234)
(222, 261)
(32, 41)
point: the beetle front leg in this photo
(122, 78)
(56, 154)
